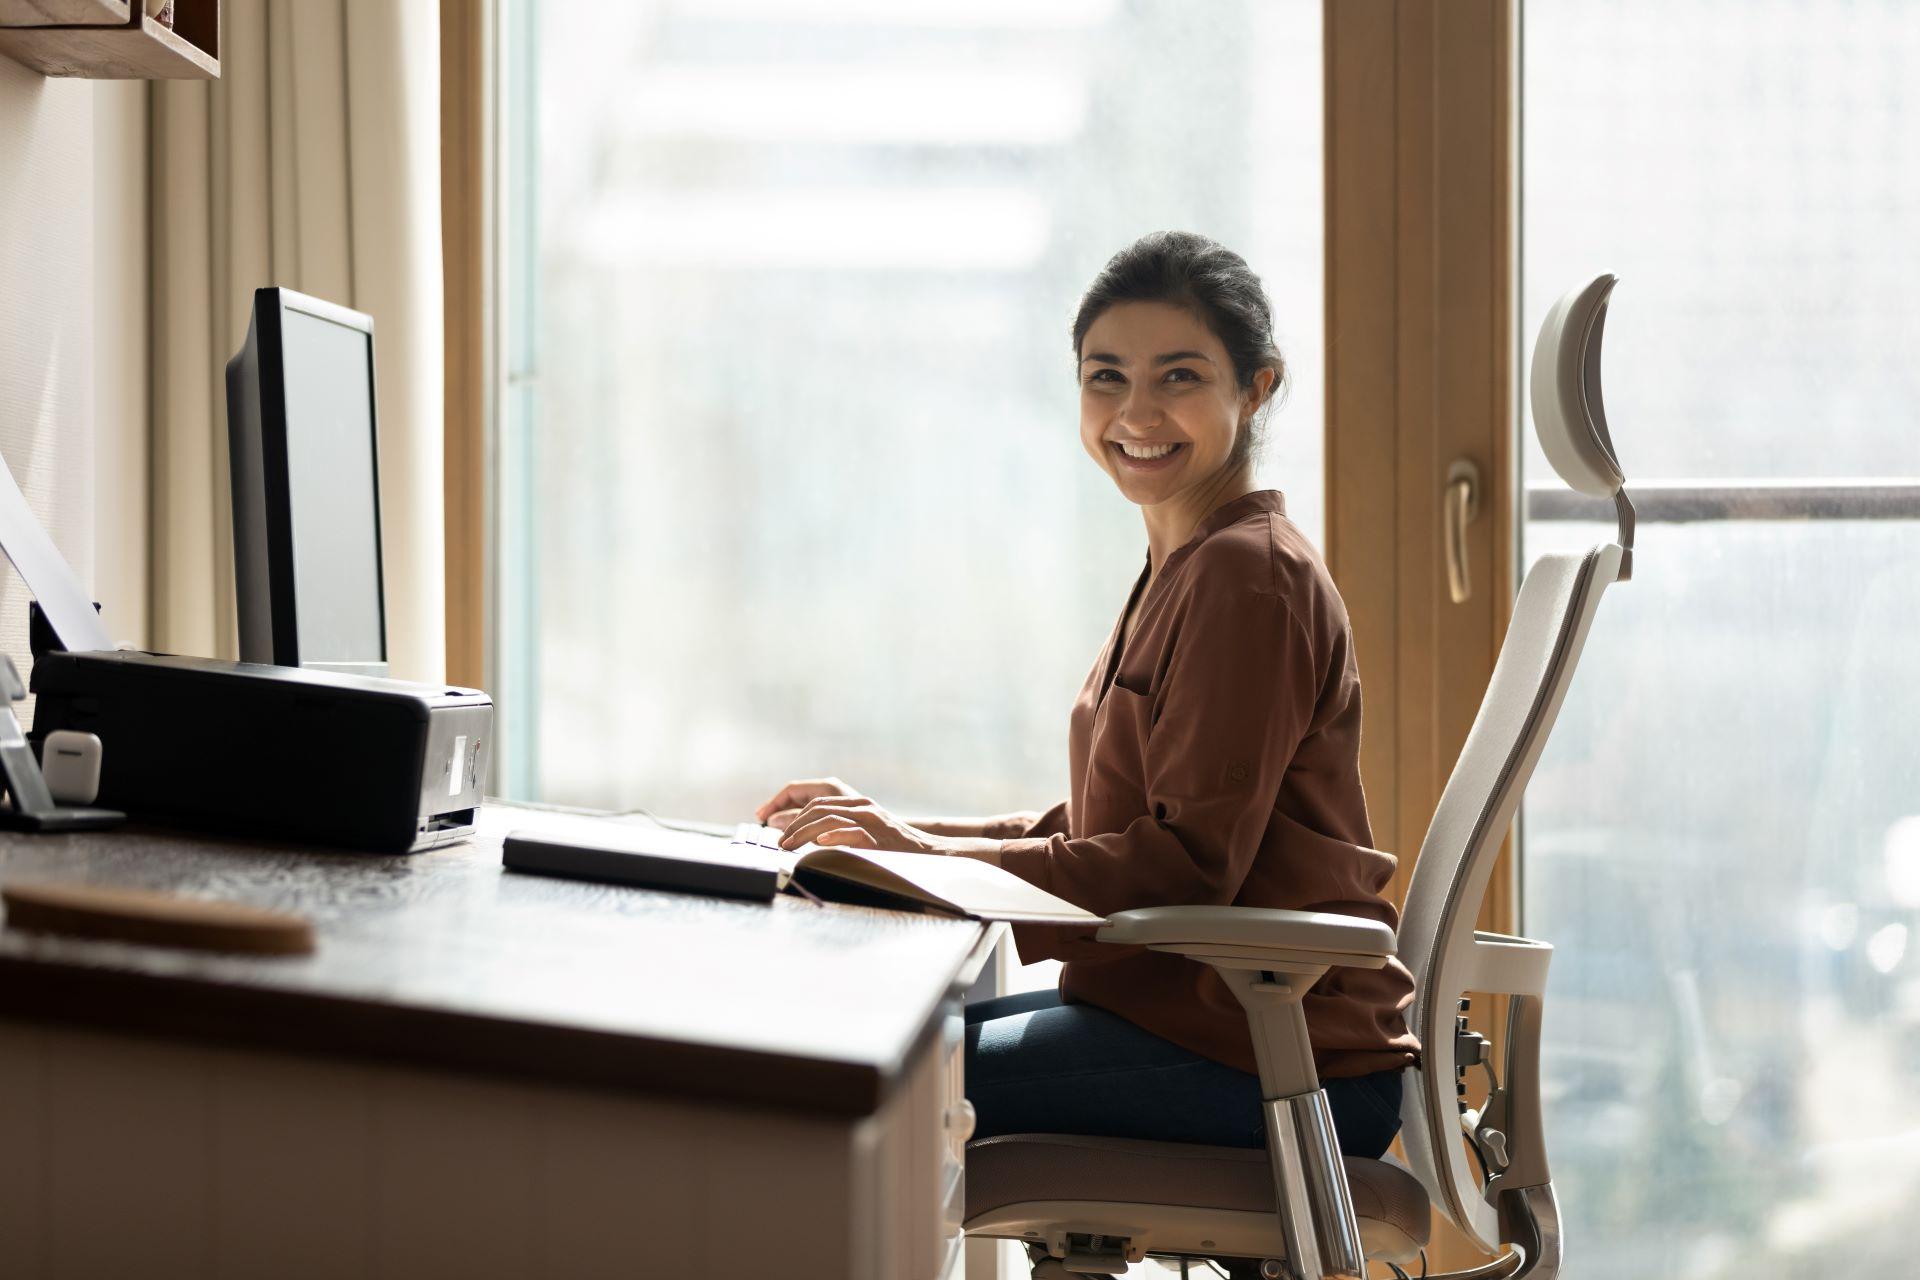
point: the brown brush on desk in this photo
(158, 919)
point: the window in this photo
(1720, 840)
(789, 478)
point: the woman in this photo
(1214, 749)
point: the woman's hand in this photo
(828, 811)
(855, 822)
(786, 803)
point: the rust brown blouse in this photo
(1216, 759)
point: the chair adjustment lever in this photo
(1471, 1049)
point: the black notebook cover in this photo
(728, 870)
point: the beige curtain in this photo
(313, 162)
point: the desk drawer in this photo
(916, 1145)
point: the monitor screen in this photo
(331, 488)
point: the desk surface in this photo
(443, 959)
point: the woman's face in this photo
(1160, 408)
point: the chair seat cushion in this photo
(1026, 1167)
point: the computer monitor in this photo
(306, 487)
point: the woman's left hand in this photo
(855, 822)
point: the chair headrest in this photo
(1567, 409)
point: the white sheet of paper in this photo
(68, 605)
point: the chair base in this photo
(1169, 1229)
(1168, 1197)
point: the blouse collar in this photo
(1268, 500)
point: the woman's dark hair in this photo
(1208, 279)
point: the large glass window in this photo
(790, 479)
(1721, 840)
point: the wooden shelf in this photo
(112, 39)
(63, 13)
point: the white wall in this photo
(46, 319)
(121, 385)
(73, 333)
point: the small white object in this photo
(70, 762)
(962, 1119)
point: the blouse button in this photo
(1236, 772)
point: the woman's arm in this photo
(1001, 826)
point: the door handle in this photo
(1462, 503)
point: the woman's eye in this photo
(1109, 376)
(1182, 375)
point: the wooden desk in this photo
(478, 1073)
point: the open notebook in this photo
(623, 852)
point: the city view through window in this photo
(1720, 841)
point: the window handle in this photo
(1462, 508)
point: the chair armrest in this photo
(1269, 959)
(1501, 964)
(1254, 934)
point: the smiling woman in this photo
(1214, 755)
(1177, 366)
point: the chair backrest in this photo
(1551, 617)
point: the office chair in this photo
(1092, 1205)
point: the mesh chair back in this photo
(1551, 618)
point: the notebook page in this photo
(967, 884)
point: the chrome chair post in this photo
(1532, 1218)
(1310, 1183)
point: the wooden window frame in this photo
(1421, 266)
(465, 41)
(1422, 150)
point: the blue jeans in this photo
(1036, 1064)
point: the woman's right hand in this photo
(786, 803)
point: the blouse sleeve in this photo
(1236, 699)
(1016, 826)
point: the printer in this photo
(312, 756)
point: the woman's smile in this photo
(1141, 455)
